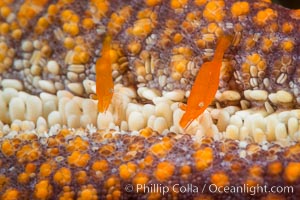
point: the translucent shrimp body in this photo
(205, 85)
(104, 80)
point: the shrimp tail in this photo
(189, 116)
(185, 121)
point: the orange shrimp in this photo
(104, 80)
(205, 85)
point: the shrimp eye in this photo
(201, 104)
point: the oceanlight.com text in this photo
(209, 188)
